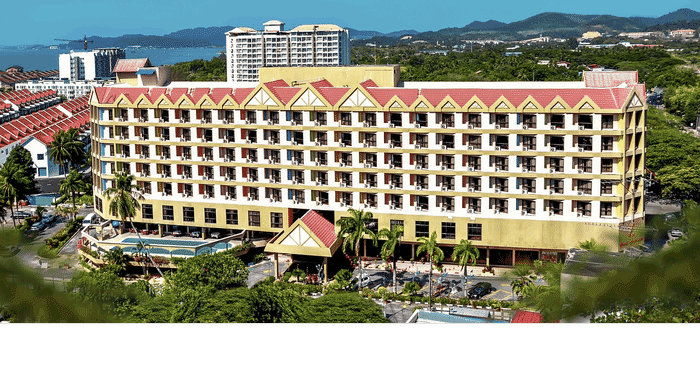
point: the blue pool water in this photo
(169, 242)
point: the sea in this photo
(44, 58)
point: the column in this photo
(488, 256)
(277, 265)
(325, 269)
(513, 260)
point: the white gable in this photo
(530, 106)
(635, 102)
(299, 237)
(309, 98)
(395, 105)
(586, 106)
(475, 105)
(357, 99)
(503, 105)
(558, 106)
(421, 105)
(262, 98)
(448, 105)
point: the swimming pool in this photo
(168, 242)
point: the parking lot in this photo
(444, 285)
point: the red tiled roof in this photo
(383, 95)
(526, 317)
(321, 83)
(321, 227)
(368, 83)
(131, 65)
(276, 83)
(285, 94)
(333, 94)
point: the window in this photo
(253, 218)
(40, 157)
(147, 211)
(276, 219)
(188, 214)
(231, 217)
(605, 209)
(210, 215)
(606, 187)
(422, 229)
(474, 231)
(394, 223)
(606, 165)
(168, 214)
(607, 143)
(448, 230)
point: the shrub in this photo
(287, 275)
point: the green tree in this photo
(353, 229)
(592, 245)
(272, 303)
(435, 255)
(65, 148)
(210, 271)
(116, 257)
(23, 158)
(123, 201)
(389, 247)
(342, 307)
(13, 185)
(465, 254)
(521, 279)
(343, 278)
(72, 184)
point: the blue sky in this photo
(45, 20)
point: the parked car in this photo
(196, 234)
(480, 290)
(177, 233)
(38, 226)
(21, 215)
(216, 235)
(676, 233)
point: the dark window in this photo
(605, 209)
(606, 187)
(448, 230)
(188, 214)
(253, 218)
(231, 217)
(474, 231)
(147, 211)
(168, 214)
(394, 223)
(607, 143)
(373, 225)
(276, 219)
(422, 229)
(210, 215)
(606, 165)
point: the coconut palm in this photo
(65, 148)
(389, 247)
(435, 255)
(13, 183)
(72, 184)
(521, 279)
(465, 254)
(353, 229)
(123, 201)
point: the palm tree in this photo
(353, 229)
(65, 148)
(465, 253)
(522, 279)
(592, 245)
(435, 254)
(123, 201)
(13, 182)
(73, 183)
(389, 247)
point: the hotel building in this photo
(523, 170)
(247, 50)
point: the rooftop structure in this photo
(89, 65)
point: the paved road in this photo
(259, 272)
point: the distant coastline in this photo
(44, 58)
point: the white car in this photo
(676, 233)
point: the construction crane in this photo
(84, 41)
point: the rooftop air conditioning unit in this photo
(470, 210)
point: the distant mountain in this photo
(488, 25)
(361, 35)
(684, 14)
(401, 33)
